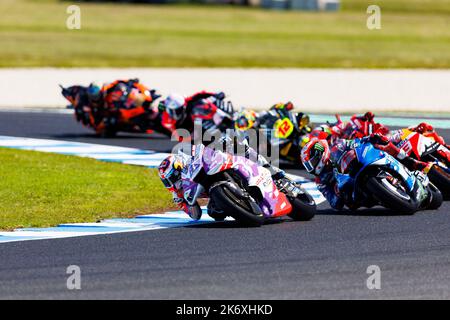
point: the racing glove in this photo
(378, 138)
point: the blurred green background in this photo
(414, 34)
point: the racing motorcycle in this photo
(107, 120)
(426, 149)
(373, 177)
(289, 132)
(240, 188)
(211, 113)
(416, 145)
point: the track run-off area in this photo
(325, 258)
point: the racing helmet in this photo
(117, 96)
(170, 170)
(369, 116)
(175, 105)
(94, 92)
(315, 155)
(423, 128)
(284, 106)
(245, 119)
(137, 98)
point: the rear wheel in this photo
(303, 207)
(238, 208)
(392, 194)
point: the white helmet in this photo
(175, 105)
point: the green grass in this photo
(414, 34)
(39, 190)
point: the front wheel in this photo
(303, 207)
(391, 194)
(238, 208)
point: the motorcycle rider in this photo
(428, 131)
(87, 102)
(172, 168)
(202, 106)
(322, 159)
(358, 127)
(128, 94)
(170, 172)
(280, 110)
(121, 95)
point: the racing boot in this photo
(283, 183)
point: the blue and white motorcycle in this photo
(373, 177)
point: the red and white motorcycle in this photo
(426, 149)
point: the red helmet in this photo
(315, 155)
(380, 128)
(369, 116)
(424, 127)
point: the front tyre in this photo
(391, 195)
(238, 208)
(303, 207)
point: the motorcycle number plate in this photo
(283, 128)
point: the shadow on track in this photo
(231, 225)
(364, 212)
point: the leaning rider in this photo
(321, 160)
(172, 168)
(87, 102)
(184, 112)
(124, 94)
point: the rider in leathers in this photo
(322, 160)
(172, 168)
(202, 108)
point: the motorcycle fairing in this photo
(368, 155)
(274, 203)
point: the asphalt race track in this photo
(324, 258)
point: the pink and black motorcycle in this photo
(242, 189)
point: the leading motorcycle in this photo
(240, 188)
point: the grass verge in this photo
(41, 190)
(414, 34)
